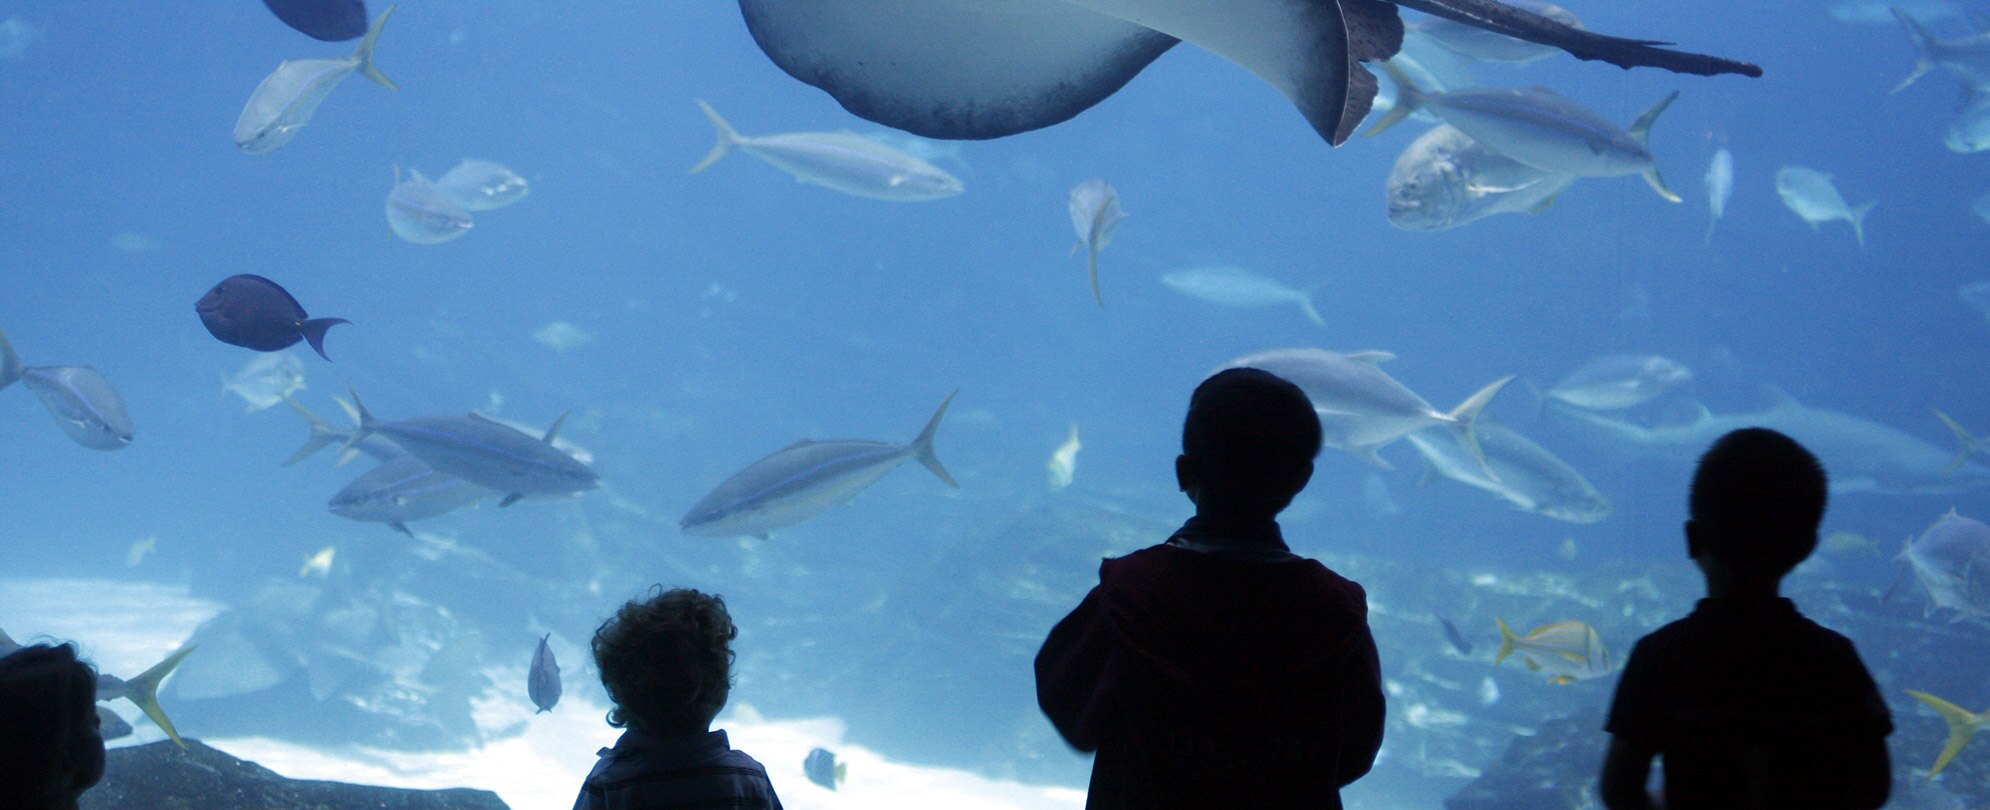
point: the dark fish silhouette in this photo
(1458, 640)
(822, 768)
(327, 20)
(255, 313)
(542, 682)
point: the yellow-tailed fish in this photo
(1963, 725)
(1567, 651)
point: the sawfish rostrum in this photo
(974, 69)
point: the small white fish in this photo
(266, 379)
(1811, 195)
(1720, 187)
(1095, 215)
(319, 564)
(141, 549)
(419, 212)
(844, 161)
(1064, 462)
(561, 336)
(285, 100)
(1238, 287)
(480, 185)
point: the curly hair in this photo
(48, 728)
(1766, 492)
(667, 661)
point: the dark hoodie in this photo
(1217, 670)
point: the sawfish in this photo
(979, 69)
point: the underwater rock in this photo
(162, 775)
(1555, 768)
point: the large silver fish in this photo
(484, 452)
(1860, 455)
(990, 68)
(1814, 198)
(1525, 474)
(324, 435)
(287, 98)
(401, 490)
(1491, 46)
(802, 480)
(1095, 216)
(844, 161)
(1538, 127)
(1951, 560)
(1363, 408)
(419, 212)
(83, 403)
(1445, 179)
(1616, 381)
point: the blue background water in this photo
(735, 311)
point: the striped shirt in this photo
(686, 772)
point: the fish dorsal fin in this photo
(1779, 399)
(1371, 356)
(801, 443)
(1641, 128)
(554, 431)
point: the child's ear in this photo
(1695, 543)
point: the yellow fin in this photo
(1506, 641)
(143, 692)
(1963, 726)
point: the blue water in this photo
(735, 311)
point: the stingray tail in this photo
(1409, 99)
(143, 692)
(1465, 417)
(922, 447)
(1962, 726)
(1924, 45)
(728, 138)
(1641, 131)
(364, 53)
(10, 363)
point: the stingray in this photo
(979, 69)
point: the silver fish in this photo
(1617, 381)
(401, 490)
(1362, 408)
(1968, 57)
(542, 681)
(1445, 179)
(324, 435)
(1951, 560)
(1525, 474)
(80, 399)
(1720, 188)
(1537, 127)
(484, 452)
(1860, 455)
(844, 161)
(802, 480)
(1490, 46)
(1812, 196)
(287, 98)
(1431, 66)
(480, 185)
(1971, 131)
(1232, 286)
(419, 212)
(1095, 215)
(266, 379)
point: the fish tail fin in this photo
(922, 447)
(1092, 267)
(322, 435)
(1507, 641)
(1965, 442)
(364, 53)
(1409, 99)
(1963, 725)
(10, 363)
(143, 692)
(728, 138)
(1466, 416)
(1312, 314)
(1923, 42)
(1641, 132)
(314, 332)
(1857, 217)
(364, 417)
(1708, 238)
